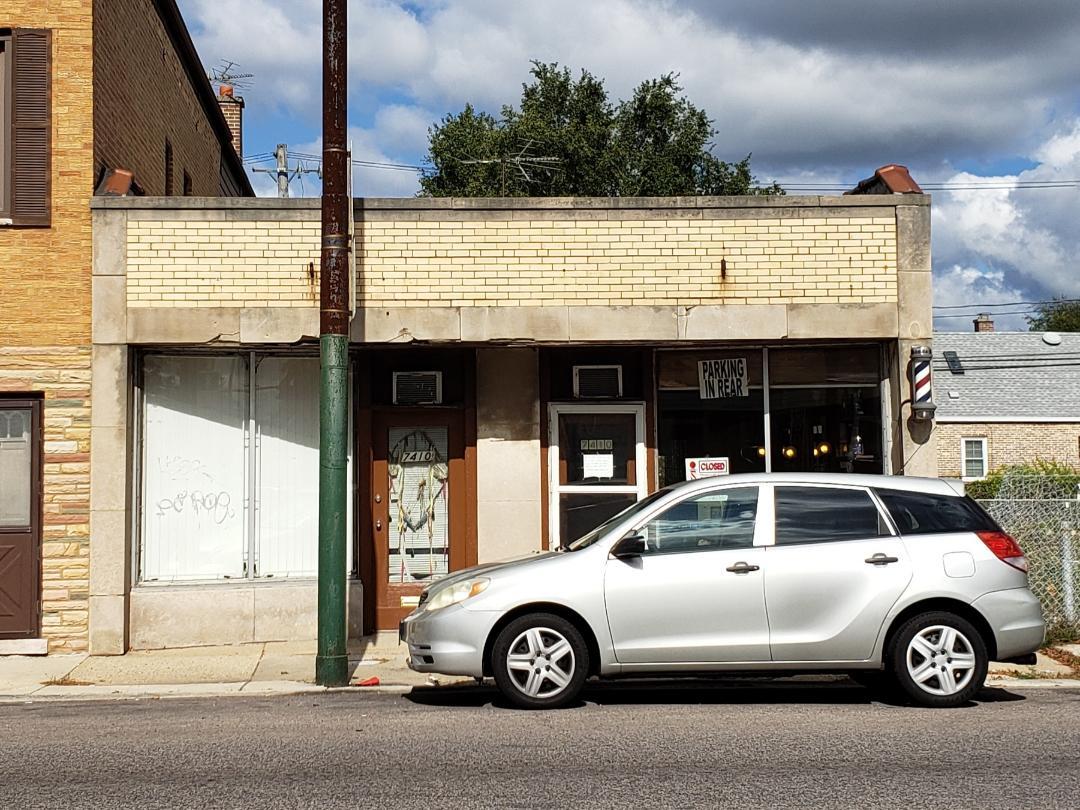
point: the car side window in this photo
(825, 515)
(716, 520)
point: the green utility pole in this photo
(332, 660)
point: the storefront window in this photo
(229, 480)
(711, 405)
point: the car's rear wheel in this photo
(540, 661)
(939, 659)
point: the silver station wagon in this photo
(901, 582)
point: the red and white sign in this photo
(706, 467)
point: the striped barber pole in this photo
(920, 381)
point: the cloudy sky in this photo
(966, 93)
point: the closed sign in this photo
(706, 467)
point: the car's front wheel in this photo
(939, 659)
(540, 661)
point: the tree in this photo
(1060, 315)
(567, 139)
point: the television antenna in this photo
(522, 162)
(227, 73)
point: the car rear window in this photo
(924, 513)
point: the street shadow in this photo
(734, 692)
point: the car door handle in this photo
(742, 568)
(881, 559)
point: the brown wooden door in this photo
(419, 506)
(20, 517)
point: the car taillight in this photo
(1005, 549)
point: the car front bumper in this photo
(1015, 616)
(449, 641)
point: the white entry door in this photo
(596, 465)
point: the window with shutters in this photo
(25, 96)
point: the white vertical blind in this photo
(287, 504)
(194, 485)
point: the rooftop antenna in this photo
(228, 74)
(522, 161)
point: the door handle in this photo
(742, 568)
(881, 559)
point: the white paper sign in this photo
(719, 379)
(599, 465)
(706, 467)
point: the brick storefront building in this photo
(85, 87)
(522, 369)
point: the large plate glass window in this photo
(596, 465)
(230, 467)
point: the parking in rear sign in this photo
(719, 379)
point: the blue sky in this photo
(961, 92)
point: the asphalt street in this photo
(689, 745)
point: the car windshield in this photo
(603, 528)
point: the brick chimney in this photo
(233, 107)
(983, 323)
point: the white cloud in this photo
(957, 285)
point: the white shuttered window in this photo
(230, 467)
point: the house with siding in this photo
(1005, 398)
(521, 370)
(90, 91)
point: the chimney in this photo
(983, 323)
(233, 108)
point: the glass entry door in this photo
(596, 465)
(418, 507)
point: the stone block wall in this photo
(62, 375)
(1008, 443)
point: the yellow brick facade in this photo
(52, 265)
(1008, 443)
(502, 261)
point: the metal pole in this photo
(332, 662)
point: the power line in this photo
(1010, 304)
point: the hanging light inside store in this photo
(788, 451)
(761, 452)
(823, 448)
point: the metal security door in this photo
(20, 518)
(418, 509)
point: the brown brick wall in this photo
(47, 297)
(143, 96)
(1009, 443)
(234, 117)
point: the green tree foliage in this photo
(1062, 315)
(566, 138)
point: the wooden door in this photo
(20, 518)
(419, 505)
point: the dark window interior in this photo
(923, 513)
(561, 364)
(379, 368)
(825, 514)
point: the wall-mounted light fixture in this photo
(922, 405)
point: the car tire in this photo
(938, 659)
(540, 661)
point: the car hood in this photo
(486, 569)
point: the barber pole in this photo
(922, 388)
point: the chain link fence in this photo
(1043, 515)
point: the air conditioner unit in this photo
(597, 382)
(418, 388)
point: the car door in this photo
(832, 574)
(695, 594)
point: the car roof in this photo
(908, 483)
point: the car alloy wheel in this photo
(540, 661)
(940, 660)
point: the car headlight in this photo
(458, 592)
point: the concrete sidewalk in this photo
(289, 668)
(270, 668)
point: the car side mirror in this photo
(633, 545)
